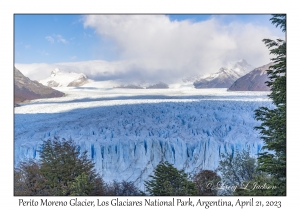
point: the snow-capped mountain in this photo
(225, 77)
(128, 132)
(26, 89)
(253, 81)
(59, 78)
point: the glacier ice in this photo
(127, 140)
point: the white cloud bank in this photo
(95, 69)
(152, 47)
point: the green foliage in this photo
(168, 181)
(62, 170)
(206, 182)
(80, 186)
(236, 169)
(62, 164)
(279, 20)
(273, 127)
(241, 172)
(27, 180)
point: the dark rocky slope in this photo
(253, 81)
(26, 89)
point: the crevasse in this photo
(127, 141)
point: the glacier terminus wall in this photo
(127, 137)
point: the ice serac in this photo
(59, 78)
(225, 77)
(127, 141)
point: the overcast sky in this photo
(135, 47)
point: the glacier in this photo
(128, 132)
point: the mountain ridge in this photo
(253, 81)
(26, 89)
(225, 77)
(59, 78)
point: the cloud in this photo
(50, 39)
(159, 46)
(59, 38)
(152, 47)
(74, 57)
(34, 71)
(95, 69)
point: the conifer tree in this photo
(61, 170)
(168, 181)
(65, 169)
(273, 127)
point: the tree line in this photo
(63, 171)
